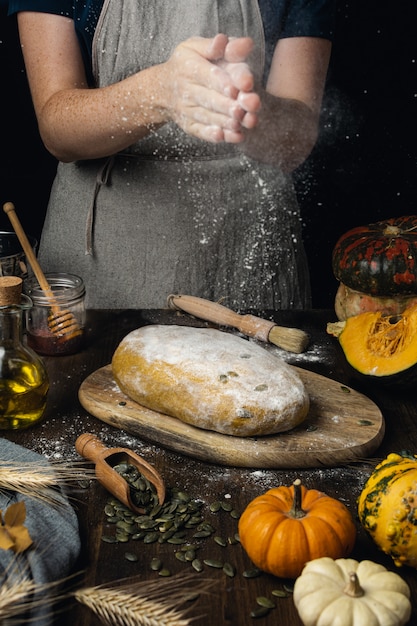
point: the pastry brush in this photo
(290, 339)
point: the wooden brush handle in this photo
(249, 325)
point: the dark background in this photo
(363, 168)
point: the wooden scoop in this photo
(90, 447)
(61, 323)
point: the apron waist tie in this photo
(102, 178)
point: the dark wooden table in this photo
(230, 600)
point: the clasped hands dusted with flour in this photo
(210, 88)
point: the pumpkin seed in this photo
(227, 506)
(137, 536)
(184, 497)
(215, 506)
(234, 514)
(129, 556)
(108, 539)
(229, 570)
(176, 540)
(180, 556)
(220, 541)
(214, 563)
(201, 534)
(189, 546)
(279, 593)
(163, 537)
(197, 565)
(260, 611)
(156, 564)
(109, 510)
(265, 602)
(164, 572)
(252, 573)
(151, 537)
(189, 555)
(126, 527)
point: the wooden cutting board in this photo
(342, 426)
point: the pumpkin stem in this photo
(391, 229)
(296, 509)
(353, 588)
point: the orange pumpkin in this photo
(287, 526)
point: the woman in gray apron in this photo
(173, 213)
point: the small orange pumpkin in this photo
(287, 526)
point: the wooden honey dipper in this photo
(61, 323)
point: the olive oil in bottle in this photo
(23, 378)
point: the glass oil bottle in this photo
(23, 378)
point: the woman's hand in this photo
(209, 88)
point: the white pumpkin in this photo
(345, 592)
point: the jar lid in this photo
(64, 287)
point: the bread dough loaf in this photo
(211, 379)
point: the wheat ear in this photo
(38, 480)
(143, 603)
(20, 594)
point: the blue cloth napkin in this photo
(53, 529)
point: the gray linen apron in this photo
(174, 214)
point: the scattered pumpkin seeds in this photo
(164, 572)
(215, 506)
(213, 563)
(179, 517)
(220, 541)
(197, 565)
(265, 602)
(252, 573)
(260, 611)
(229, 570)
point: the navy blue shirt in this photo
(281, 18)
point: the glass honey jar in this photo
(67, 293)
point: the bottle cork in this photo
(10, 290)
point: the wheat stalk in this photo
(149, 603)
(20, 594)
(38, 480)
(14, 597)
